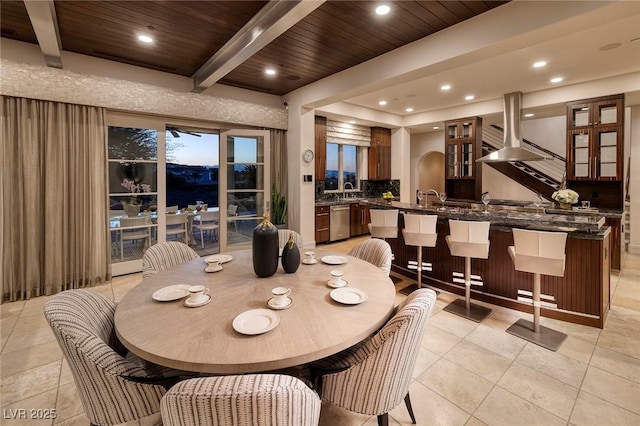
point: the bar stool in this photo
(420, 231)
(468, 240)
(384, 223)
(538, 252)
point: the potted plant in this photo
(278, 208)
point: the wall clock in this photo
(307, 156)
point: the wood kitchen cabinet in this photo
(595, 150)
(322, 224)
(463, 145)
(359, 219)
(320, 147)
(594, 139)
(380, 154)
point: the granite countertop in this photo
(580, 225)
(552, 208)
(340, 201)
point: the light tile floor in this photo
(466, 373)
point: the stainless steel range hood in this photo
(512, 151)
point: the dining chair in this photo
(177, 226)
(375, 251)
(165, 255)
(283, 238)
(206, 221)
(373, 377)
(114, 386)
(244, 400)
(135, 228)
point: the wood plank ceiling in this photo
(335, 36)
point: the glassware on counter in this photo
(486, 199)
(443, 198)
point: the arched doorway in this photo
(430, 172)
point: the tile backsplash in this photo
(369, 189)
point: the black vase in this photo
(265, 249)
(290, 256)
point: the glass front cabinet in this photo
(459, 145)
(463, 145)
(595, 139)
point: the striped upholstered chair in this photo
(373, 377)
(114, 388)
(283, 238)
(246, 400)
(165, 255)
(375, 251)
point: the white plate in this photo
(172, 292)
(191, 304)
(348, 295)
(278, 307)
(256, 321)
(331, 284)
(212, 269)
(309, 261)
(334, 260)
(222, 258)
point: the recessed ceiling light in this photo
(530, 114)
(383, 9)
(445, 87)
(436, 127)
(409, 109)
(145, 38)
(556, 79)
(469, 97)
(382, 103)
(352, 121)
(270, 71)
(539, 64)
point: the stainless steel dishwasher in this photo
(339, 222)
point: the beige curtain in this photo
(279, 175)
(54, 201)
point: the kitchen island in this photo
(581, 296)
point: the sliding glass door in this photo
(192, 189)
(133, 194)
(157, 166)
(246, 183)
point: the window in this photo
(342, 167)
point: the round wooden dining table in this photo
(203, 339)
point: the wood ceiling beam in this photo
(269, 23)
(42, 14)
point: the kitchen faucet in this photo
(432, 190)
(344, 189)
(427, 192)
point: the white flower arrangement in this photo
(135, 189)
(568, 196)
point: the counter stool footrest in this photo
(546, 337)
(475, 312)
